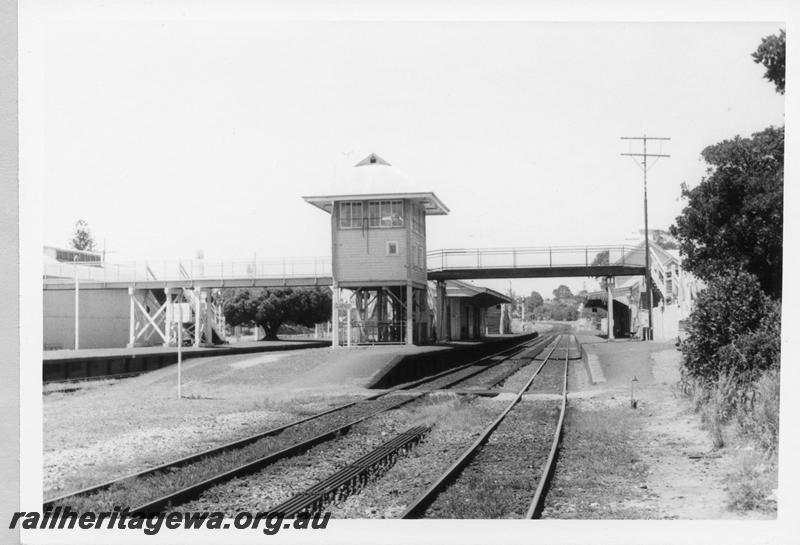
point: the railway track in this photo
(446, 496)
(252, 453)
(345, 482)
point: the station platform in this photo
(61, 365)
(408, 366)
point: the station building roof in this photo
(374, 178)
(479, 295)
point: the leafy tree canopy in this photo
(562, 292)
(556, 310)
(734, 217)
(82, 237)
(270, 308)
(772, 54)
(533, 301)
(663, 239)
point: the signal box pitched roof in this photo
(374, 178)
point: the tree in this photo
(562, 292)
(772, 54)
(557, 310)
(601, 259)
(270, 308)
(663, 239)
(82, 237)
(734, 217)
(533, 301)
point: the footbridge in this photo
(156, 290)
(190, 274)
(543, 262)
(442, 265)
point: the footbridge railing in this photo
(559, 260)
(183, 271)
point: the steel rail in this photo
(192, 491)
(426, 498)
(239, 443)
(537, 504)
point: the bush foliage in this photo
(734, 329)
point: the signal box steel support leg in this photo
(409, 314)
(335, 315)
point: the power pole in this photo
(643, 165)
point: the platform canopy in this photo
(483, 297)
(374, 178)
(600, 298)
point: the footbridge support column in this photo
(442, 326)
(610, 319)
(132, 323)
(335, 315)
(168, 302)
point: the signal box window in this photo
(385, 214)
(351, 214)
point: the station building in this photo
(674, 293)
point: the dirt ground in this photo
(667, 469)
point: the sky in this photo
(170, 136)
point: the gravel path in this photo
(457, 423)
(501, 480)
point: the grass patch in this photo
(751, 482)
(599, 470)
(743, 413)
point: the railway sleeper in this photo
(352, 478)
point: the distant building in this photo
(674, 293)
(71, 255)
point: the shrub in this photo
(734, 329)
